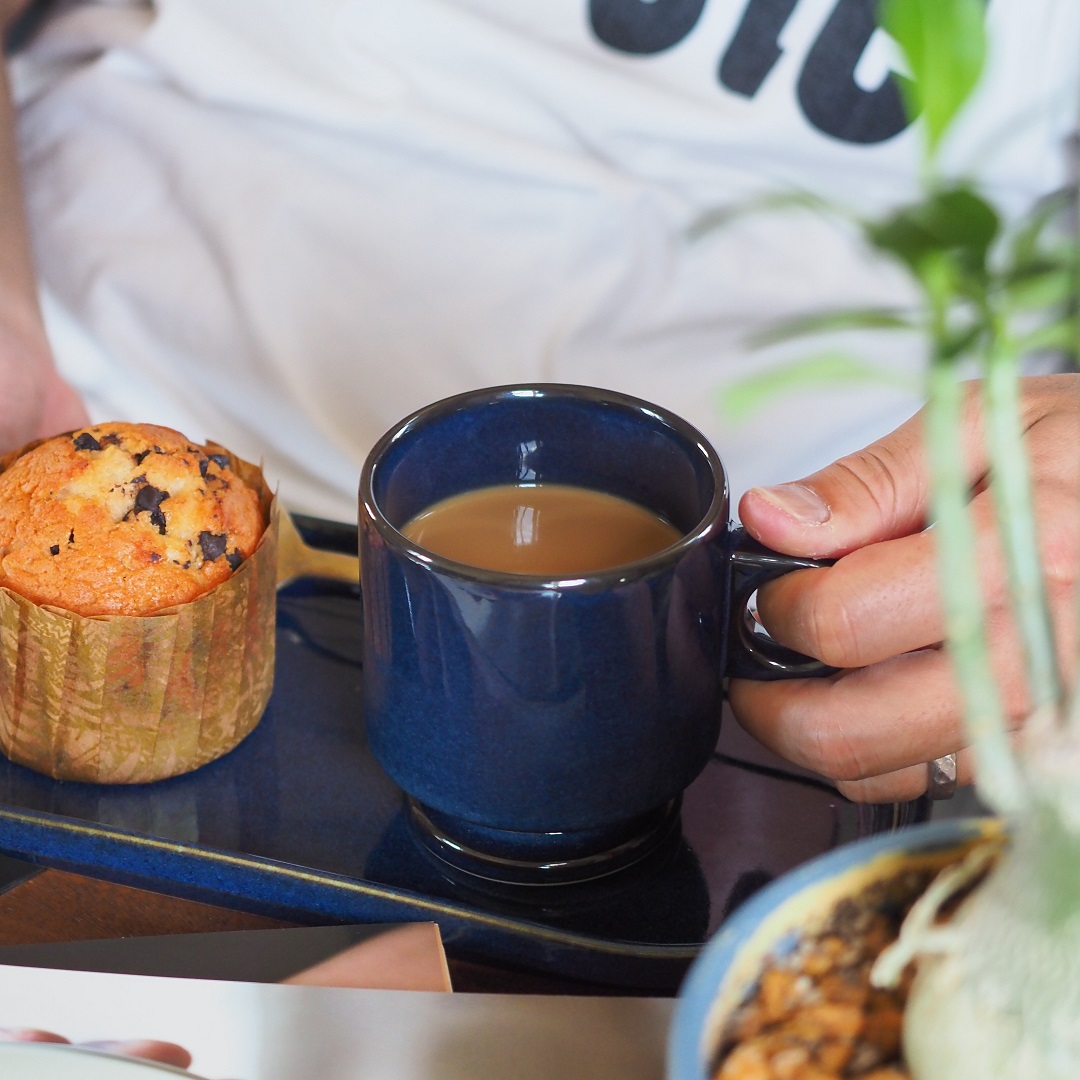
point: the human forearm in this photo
(34, 401)
(18, 293)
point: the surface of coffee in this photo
(547, 529)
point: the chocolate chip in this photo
(71, 537)
(112, 439)
(140, 457)
(155, 557)
(150, 498)
(213, 545)
(86, 441)
(54, 550)
(234, 559)
(220, 460)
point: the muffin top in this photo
(123, 519)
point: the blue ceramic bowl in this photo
(770, 923)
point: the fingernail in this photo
(803, 504)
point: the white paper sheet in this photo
(245, 1031)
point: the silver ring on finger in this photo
(942, 777)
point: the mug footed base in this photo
(541, 858)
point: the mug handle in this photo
(752, 655)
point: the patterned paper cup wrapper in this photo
(113, 699)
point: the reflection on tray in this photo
(300, 821)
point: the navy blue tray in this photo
(300, 822)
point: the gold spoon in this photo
(296, 558)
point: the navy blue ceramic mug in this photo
(544, 727)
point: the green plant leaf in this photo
(1038, 288)
(745, 396)
(832, 321)
(956, 221)
(1057, 336)
(944, 43)
(959, 342)
(1029, 240)
(723, 216)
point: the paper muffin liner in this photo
(115, 699)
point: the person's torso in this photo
(355, 207)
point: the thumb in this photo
(878, 493)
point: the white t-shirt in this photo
(286, 225)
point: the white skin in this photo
(34, 400)
(151, 1049)
(872, 729)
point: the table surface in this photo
(53, 905)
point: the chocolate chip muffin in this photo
(123, 519)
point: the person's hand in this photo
(875, 612)
(166, 1053)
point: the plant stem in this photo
(1072, 708)
(999, 777)
(1016, 520)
